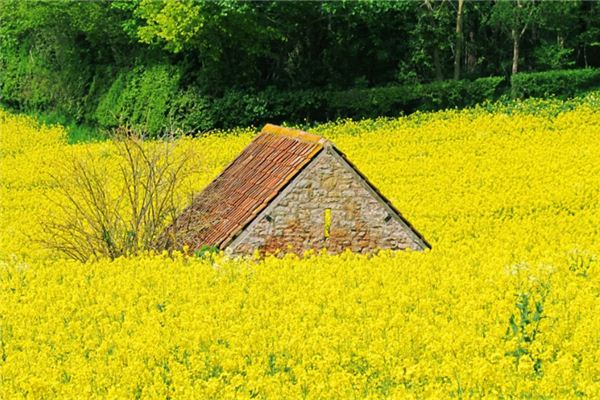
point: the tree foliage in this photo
(70, 57)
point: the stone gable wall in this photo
(295, 221)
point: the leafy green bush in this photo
(141, 98)
(191, 112)
(366, 103)
(394, 100)
(562, 84)
(239, 108)
(29, 82)
(150, 100)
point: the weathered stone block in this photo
(357, 217)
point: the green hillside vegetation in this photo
(191, 66)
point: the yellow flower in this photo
(504, 305)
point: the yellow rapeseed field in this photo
(505, 305)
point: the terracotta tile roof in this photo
(244, 188)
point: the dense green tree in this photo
(110, 62)
(515, 17)
(588, 34)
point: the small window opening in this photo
(268, 218)
(327, 222)
(387, 218)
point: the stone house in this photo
(291, 191)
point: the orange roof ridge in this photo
(293, 133)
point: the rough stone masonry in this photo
(296, 220)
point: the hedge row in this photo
(132, 101)
(151, 99)
(562, 84)
(238, 108)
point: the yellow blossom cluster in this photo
(505, 305)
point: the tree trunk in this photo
(437, 63)
(459, 39)
(515, 63)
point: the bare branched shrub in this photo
(116, 213)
